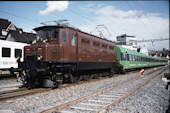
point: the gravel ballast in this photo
(9, 84)
(152, 97)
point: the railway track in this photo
(101, 101)
(24, 91)
(10, 77)
(20, 92)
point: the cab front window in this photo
(54, 34)
(63, 36)
(40, 35)
(47, 34)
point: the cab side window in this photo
(47, 34)
(73, 40)
(54, 34)
(63, 36)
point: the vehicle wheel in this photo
(58, 80)
(106, 74)
(123, 71)
(77, 78)
(97, 76)
(111, 73)
(87, 77)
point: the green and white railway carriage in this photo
(130, 59)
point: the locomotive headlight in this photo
(39, 49)
(39, 58)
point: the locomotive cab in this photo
(46, 45)
(57, 43)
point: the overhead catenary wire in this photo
(146, 14)
(140, 19)
(70, 11)
(20, 17)
(86, 18)
(24, 18)
(5, 12)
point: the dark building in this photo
(5, 26)
(160, 53)
(8, 31)
(18, 36)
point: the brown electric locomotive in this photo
(65, 54)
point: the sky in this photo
(143, 19)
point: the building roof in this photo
(4, 24)
(22, 37)
(125, 35)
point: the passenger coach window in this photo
(136, 59)
(18, 53)
(130, 57)
(133, 57)
(73, 40)
(63, 36)
(6, 52)
(123, 56)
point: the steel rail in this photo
(65, 105)
(129, 93)
(11, 91)
(22, 92)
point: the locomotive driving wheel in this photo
(97, 76)
(75, 78)
(105, 74)
(111, 72)
(58, 80)
(87, 77)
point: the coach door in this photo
(68, 45)
(127, 60)
(64, 49)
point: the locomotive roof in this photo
(65, 26)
